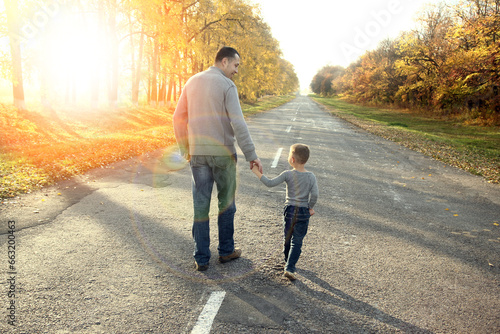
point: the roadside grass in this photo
(40, 148)
(475, 149)
(264, 104)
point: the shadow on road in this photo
(340, 299)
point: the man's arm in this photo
(180, 120)
(233, 108)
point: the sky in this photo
(315, 33)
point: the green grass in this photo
(265, 104)
(40, 148)
(473, 148)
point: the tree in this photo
(450, 63)
(475, 63)
(322, 82)
(423, 54)
(151, 45)
(13, 17)
(375, 78)
(235, 23)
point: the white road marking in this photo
(207, 316)
(277, 158)
(289, 128)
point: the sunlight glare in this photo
(75, 54)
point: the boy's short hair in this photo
(300, 152)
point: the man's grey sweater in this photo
(208, 118)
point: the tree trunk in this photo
(132, 54)
(175, 91)
(95, 75)
(138, 67)
(161, 98)
(113, 82)
(148, 87)
(154, 75)
(163, 89)
(15, 50)
(169, 93)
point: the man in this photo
(207, 122)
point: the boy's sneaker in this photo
(200, 268)
(290, 276)
(236, 254)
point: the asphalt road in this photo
(399, 243)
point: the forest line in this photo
(139, 51)
(449, 64)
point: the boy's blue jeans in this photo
(295, 223)
(206, 170)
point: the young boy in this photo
(301, 196)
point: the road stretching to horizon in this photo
(400, 243)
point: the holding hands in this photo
(257, 171)
(256, 164)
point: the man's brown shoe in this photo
(236, 254)
(290, 276)
(200, 268)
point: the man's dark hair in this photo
(226, 52)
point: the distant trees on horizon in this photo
(450, 64)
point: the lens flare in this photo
(172, 160)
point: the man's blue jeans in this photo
(295, 223)
(206, 170)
